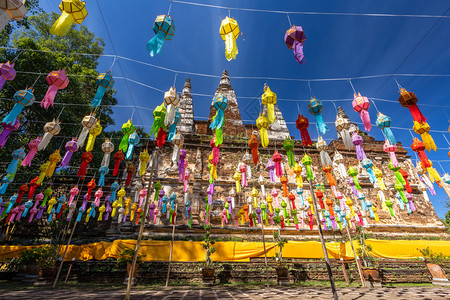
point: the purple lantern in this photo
(7, 72)
(294, 39)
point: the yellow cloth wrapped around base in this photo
(240, 251)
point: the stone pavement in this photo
(231, 293)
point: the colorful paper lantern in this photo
(7, 129)
(277, 158)
(357, 141)
(127, 130)
(54, 159)
(93, 133)
(71, 148)
(133, 141)
(85, 160)
(173, 127)
(253, 145)
(118, 157)
(315, 107)
(229, 32)
(384, 122)
(51, 129)
(144, 158)
(171, 100)
(57, 80)
(220, 104)
(18, 155)
(302, 124)
(164, 28)
(288, 146)
(72, 11)
(105, 83)
(361, 105)
(103, 170)
(107, 148)
(159, 114)
(423, 129)
(367, 164)
(390, 149)
(307, 162)
(409, 100)
(322, 146)
(343, 126)
(88, 123)
(11, 10)
(22, 99)
(270, 166)
(7, 71)
(294, 39)
(338, 163)
(262, 123)
(269, 99)
(419, 147)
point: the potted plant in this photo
(126, 257)
(281, 268)
(39, 262)
(208, 244)
(370, 267)
(433, 261)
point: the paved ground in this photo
(180, 293)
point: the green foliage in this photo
(208, 245)
(42, 256)
(281, 242)
(432, 257)
(78, 94)
(127, 255)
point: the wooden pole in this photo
(141, 229)
(356, 257)
(322, 241)
(65, 251)
(171, 246)
(265, 254)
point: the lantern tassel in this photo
(29, 157)
(129, 151)
(417, 114)
(106, 159)
(231, 49)
(155, 45)
(321, 126)
(13, 114)
(45, 141)
(264, 137)
(82, 138)
(161, 139)
(2, 82)
(389, 135)
(12, 168)
(172, 132)
(219, 136)
(306, 139)
(428, 142)
(170, 115)
(62, 26)
(365, 117)
(298, 51)
(347, 139)
(49, 97)
(101, 90)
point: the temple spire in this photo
(186, 110)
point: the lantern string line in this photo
(310, 90)
(335, 107)
(114, 61)
(446, 139)
(313, 12)
(175, 80)
(118, 57)
(351, 84)
(375, 105)
(170, 7)
(398, 84)
(36, 80)
(289, 19)
(17, 56)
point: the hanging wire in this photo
(335, 107)
(17, 56)
(398, 84)
(351, 84)
(36, 81)
(374, 105)
(170, 7)
(114, 61)
(289, 19)
(310, 90)
(446, 139)
(229, 13)
(175, 80)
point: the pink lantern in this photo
(361, 105)
(390, 149)
(33, 145)
(57, 80)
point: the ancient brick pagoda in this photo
(197, 135)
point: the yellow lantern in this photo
(71, 11)
(268, 99)
(262, 123)
(229, 31)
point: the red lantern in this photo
(409, 100)
(302, 124)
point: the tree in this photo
(77, 95)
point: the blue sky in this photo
(336, 46)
